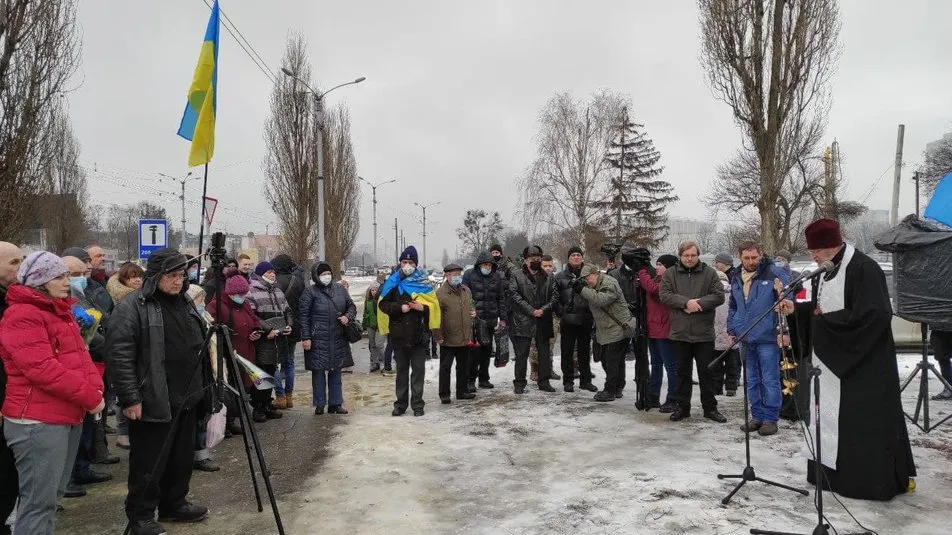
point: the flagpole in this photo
(201, 229)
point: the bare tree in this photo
(342, 200)
(771, 61)
(291, 183)
(479, 229)
(863, 233)
(63, 201)
(937, 162)
(39, 52)
(569, 176)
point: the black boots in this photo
(654, 401)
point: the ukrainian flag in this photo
(418, 287)
(198, 120)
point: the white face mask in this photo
(326, 278)
(269, 280)
(408, 269)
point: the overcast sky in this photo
(453, 90)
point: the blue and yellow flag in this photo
(417, 287)
(940, 207)
(198, 120)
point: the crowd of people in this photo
(79, 344)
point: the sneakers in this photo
(147, 527)
(669, 406)
(280, 403)
(751, 426)
(679, 414)
(604, 396)
(206, 465)
(187, 513)
(715, 416)
(486, 384)
(546, 387)
(90, 477)
(336, 409)
(387, 372)
(769, 428)
(588, 386)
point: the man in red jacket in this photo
(10, 259)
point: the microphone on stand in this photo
(825, 267)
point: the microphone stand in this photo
(749, 474)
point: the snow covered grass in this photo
(562, 463)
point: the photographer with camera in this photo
(575, 325)
(609, 311)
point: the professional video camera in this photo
(610, 250)
(217, 254)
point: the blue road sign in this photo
(153, 235)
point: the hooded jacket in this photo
(117, 290)
(50, 375)
(321, 306)
(681, 284)
(489, 291)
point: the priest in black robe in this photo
(865, 449)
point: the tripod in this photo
(924, 366)
(748, 474)
(821, 527)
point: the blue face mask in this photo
(201, 310)
(193, 275)
(456, 280)
(486, 271)
(79, 283)
(238, 299)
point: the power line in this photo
(876, 183)
(252, 54)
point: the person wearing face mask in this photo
(326, 308)
(192, 269)
(122, 283)
(203, 461)
(488, 286)
(457, 314)
(503, 265)
(52, 384)
(157, 364)
(782, 261)
(533, 296)
(269, 304)
(407, 308)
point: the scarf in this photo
(417, 287)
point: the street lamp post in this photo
(182, 181)
(319, 158)
(424, 207)
(373, 188)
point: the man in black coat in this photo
(157, 364)
(533, 297)
(488, 286)
(10, 259)
(575, 325)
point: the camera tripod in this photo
(922, 404)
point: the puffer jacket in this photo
(321, 306)
(608, 306)
(659, 315)
(50, 375)
(489, 291)
(268, 302)
(135, 358)
(681, 284)
(117, 290)
(571, 307)
(527, 294)
(370, 311)
(744, 311)
(456, 325)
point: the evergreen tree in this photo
(638, 198)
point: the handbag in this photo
(353, 331)
(215, 430)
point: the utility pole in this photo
(396, 240)
(373, 188)
(915, 178)
(182, 182)
(424, 207)
(894, 213)
(403, 242)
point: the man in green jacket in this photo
(693, 291)
(610, 311)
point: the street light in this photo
(424, 207)
(373, 188)
(319, 138)
(182, 181)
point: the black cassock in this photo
(874, 458)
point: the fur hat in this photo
(823, 234)
(410, 253)
(40, 268)
(236, 285)
(588, 269)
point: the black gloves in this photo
(577, 285)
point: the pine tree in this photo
(638, 199)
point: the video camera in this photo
(217, 253)
(610, 250)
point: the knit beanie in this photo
(495, 248)
(668, 260)
(575, 249)
(236, 285)
(724, 258)
(410, 253)
(263, 267)
(40, 268)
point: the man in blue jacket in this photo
(752, 294)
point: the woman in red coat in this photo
(659, 326)
(51, 385)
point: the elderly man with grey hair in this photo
(10, 259)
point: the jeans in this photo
(324, 380)
(284, 376)
(576, 337)
(763, 381)
(686, 353)
(662, 360)
(388, 355)
(44, 458)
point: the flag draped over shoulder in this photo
(940, 207)
(198, 120)
(417, 287)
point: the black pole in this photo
(201, 222)
(915, 176)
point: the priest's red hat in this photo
(823, 234)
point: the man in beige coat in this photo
(456, 333)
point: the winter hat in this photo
(668, 260)
(40, 268)
(588, 269)
(724, 258)
(282, 263)
(452, 267)
(320, 269)
(263, 267)
(192, 260)
(495, 248)
(785, 254)
(410, 254)
(78, 252)
(194, 290)
(532, 250)
(575, 249)
(164, 261)
(236, 285)
(823, 234)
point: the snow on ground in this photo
(562, 463)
